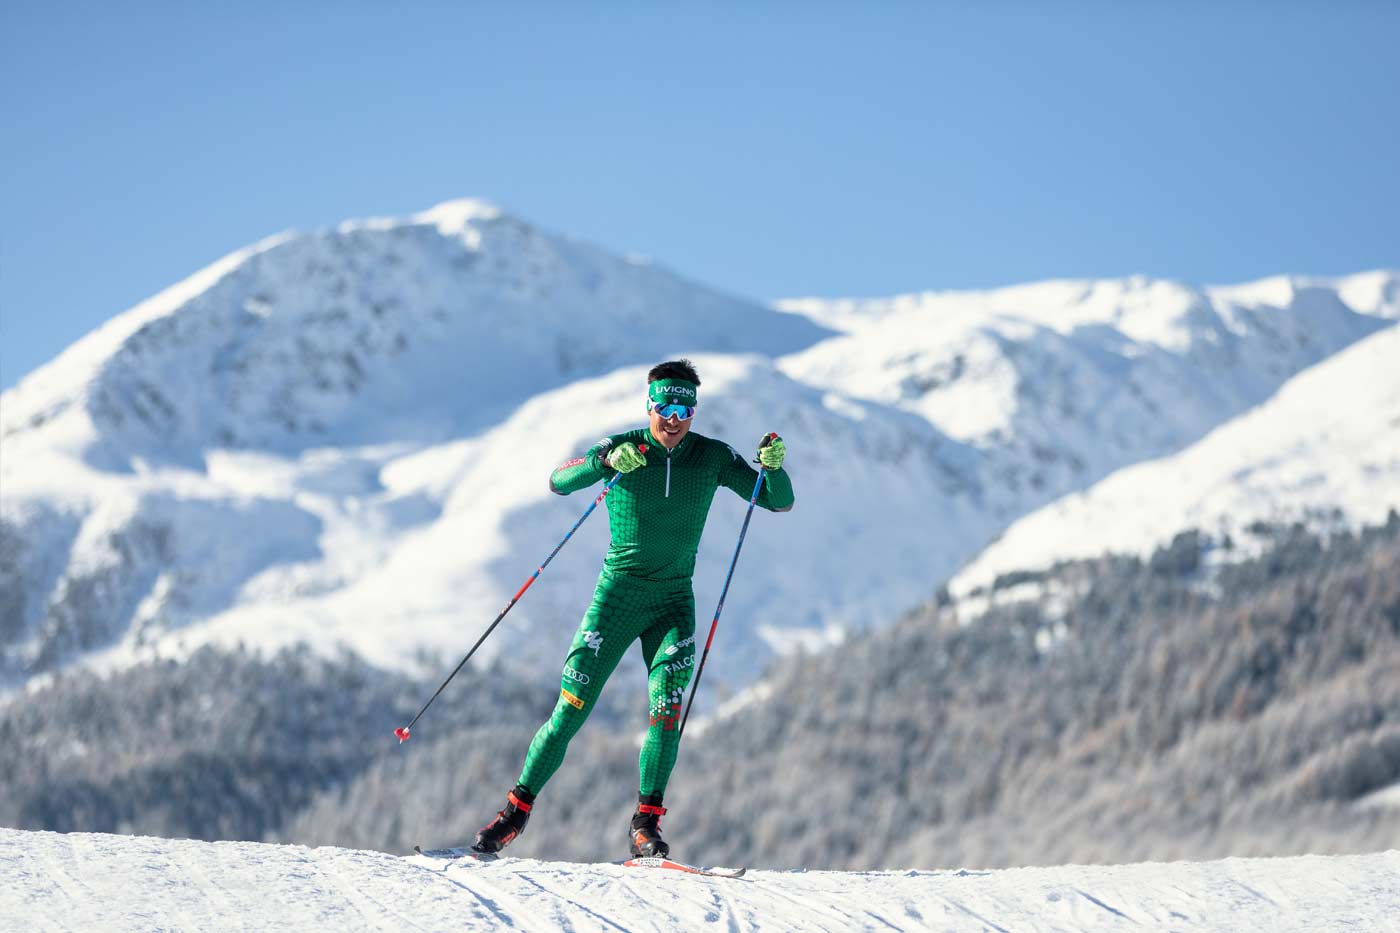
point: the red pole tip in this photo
(642, 448)
(772, 435)
(402, 733)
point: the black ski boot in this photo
(646, 828)
(508, 824)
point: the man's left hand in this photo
(772, 452)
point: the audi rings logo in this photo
(578, 677)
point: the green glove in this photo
(771, 452)
(626, 458)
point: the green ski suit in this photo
(657, 513)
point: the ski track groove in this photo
(19, 866)
(630, 881)
(974, 915)
(172, 913)
(504, 919)
(68, 883)
(569, 898)
(1258, 894)
(634, 883)
(647, 893)
(359, 897)
(520, 909)
(705, 896)
(804, 900)
(1113, 910)
(529, 905)
(872, 914)
(724, 910)
(221, 902)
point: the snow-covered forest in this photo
(1154, 711)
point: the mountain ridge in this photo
(400, 310)
(1257, 467)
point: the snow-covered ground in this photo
(85, 882)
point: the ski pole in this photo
(403, 732)
(700, 668)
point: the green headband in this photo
(673, 392)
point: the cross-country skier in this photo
(656, 512)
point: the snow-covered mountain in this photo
(1060, 383)
(343, 438)
(381, 331)
(92, 881)
(1325, 447)
(222, 443)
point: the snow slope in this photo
(1329, 440)
(394, 550)
(50, 881)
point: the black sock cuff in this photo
(524, 793)
(651, 800)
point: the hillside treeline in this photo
(1129, 709)
(1140, 709)
(224, 745)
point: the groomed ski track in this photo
(51, 881)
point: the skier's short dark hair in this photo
(674, 369)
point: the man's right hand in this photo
(626, 457)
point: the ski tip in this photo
(456, 854)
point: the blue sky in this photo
(769, 149)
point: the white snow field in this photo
(81, 881)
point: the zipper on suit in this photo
(668, 475)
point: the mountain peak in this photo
(453, 216)
(364, 326)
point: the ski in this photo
(655, 862)
(456, 853)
